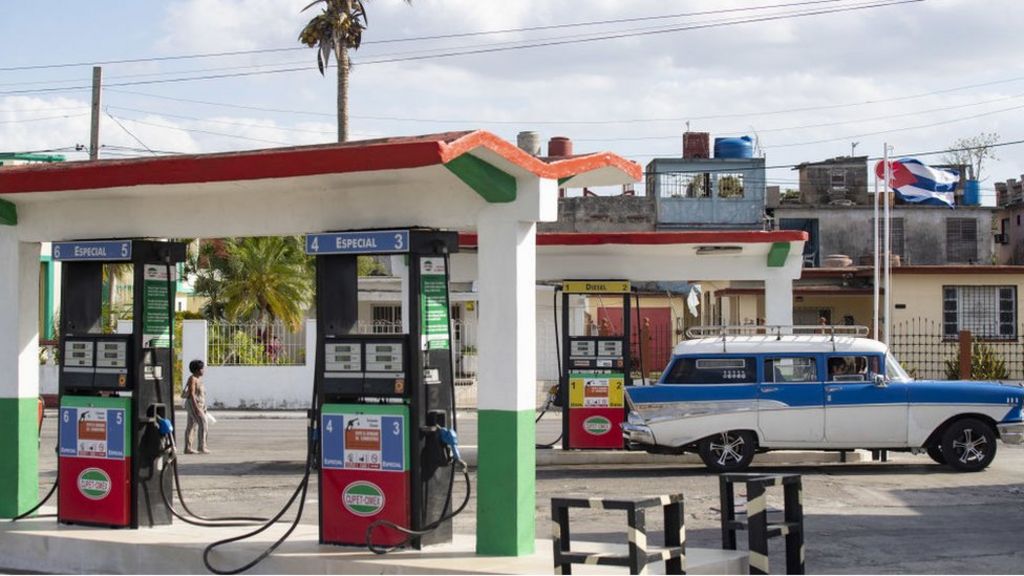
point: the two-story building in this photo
(942, 258)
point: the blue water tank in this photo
(972, 193)
(742, 147)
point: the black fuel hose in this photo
(196, 519)
(53, 489)
(428, 528)
(558, 362)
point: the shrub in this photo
(985, 364)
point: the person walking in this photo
(195, 406)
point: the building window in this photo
(895, 235)
(684, 185)
(386, 318)
(988, 312)
(838, 179)
(962, 240)
(730, 185)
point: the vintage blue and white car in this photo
(730, 397)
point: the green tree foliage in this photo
(985, 364)
(266, 279)
(338, 27)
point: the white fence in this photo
(290, 386)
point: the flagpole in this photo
(875, 225)
(888, 247)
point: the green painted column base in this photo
(506, 483)
(19, 455)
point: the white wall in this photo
(263, 387)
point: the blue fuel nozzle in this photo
(451, 439)
(165, 426)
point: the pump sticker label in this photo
(364, 442)
(363, 498)
(94, 484)
(156, 311)
(597, 425)
(92, 433)
(434, 304)
(596, 390)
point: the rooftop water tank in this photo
(972, 193)
(742, 147)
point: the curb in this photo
(559, 457)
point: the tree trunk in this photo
(343, 71)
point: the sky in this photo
(807, 79)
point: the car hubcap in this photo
(729, 449)
(970, 447)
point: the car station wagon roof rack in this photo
(777, 330)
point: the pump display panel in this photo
(370, 366)
(98, 362)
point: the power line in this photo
(225, 122)
(892, 130)
(208, 132)
(43, 118)
(417, 38)
(591, 122)
(489, 50)
(808, 126)
(129, 132)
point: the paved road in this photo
(904, 516)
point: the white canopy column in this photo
(19, 379)
(507, 261)
(778, 301)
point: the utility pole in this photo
(94, 134)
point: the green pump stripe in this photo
(492, 184)
(777, 254)
(19, 455)
(506, 486)
(8, 213)
(48, 324)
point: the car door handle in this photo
(767, 389)
(833, 388)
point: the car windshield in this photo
(893, 369)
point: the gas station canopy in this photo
(438, 180)
(658, 256)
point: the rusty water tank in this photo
(696, 145)
(559, 146)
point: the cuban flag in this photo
(915, 181)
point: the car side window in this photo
(851, 368)
(712, 371)
(791, 369)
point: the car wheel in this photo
(969, 445)
(935, 453)
(729, 451)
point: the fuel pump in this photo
(113, 388)
(596, 368)
(385, 402)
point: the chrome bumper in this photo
(637, 434)
(1011, 433)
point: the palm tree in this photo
(267, 279)
(337, 28)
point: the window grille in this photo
(385, 317)
(989, 312)
(838, 179)
(730, 185)
(962, 240)
(684, 185)
(895, 235)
